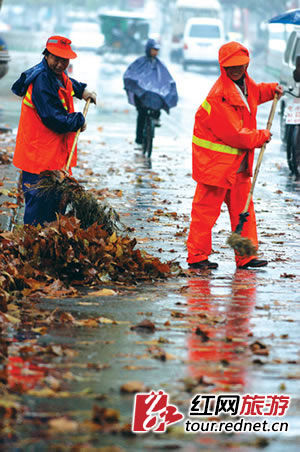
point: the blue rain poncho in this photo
(149, 79)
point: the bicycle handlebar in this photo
(292, 94)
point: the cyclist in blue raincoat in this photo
(149, 84)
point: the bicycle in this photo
(148, 132)
(290, 134)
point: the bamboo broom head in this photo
(81, 203)
(241, 245)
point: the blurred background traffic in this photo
(110, 34)
(123, 26)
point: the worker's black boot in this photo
(203, 265)
(255, 263)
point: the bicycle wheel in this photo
(290, 138)
(295, 152)
(145, 139)
(148, 136)
(283, 126)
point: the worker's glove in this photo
(279, 91)
(89, 95)
(267, 136)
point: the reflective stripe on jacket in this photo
(225, 130)
(38, 148)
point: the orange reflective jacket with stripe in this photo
(225, 130)
(39, 148)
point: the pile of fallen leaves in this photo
(81, 203)
(63, 250)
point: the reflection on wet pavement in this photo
(218, 347)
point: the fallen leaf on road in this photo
(4, 191)
(63, 425)
(87, 322)
(9, 318)
(103, 293)
(158, 353)
(105, 320)
(9, 205)
(258, 348)
(145, 325)
(132, 387)
(103, 415)
(128, 367)
(202, 334)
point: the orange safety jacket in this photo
(225, 129)
(39, 148)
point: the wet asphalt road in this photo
(235, 308)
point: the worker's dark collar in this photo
(240, 81)
(241, 84)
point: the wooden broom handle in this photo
(261, 154)
(85, 110)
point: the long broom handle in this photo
(261, 154)
(85, 110)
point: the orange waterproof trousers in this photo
(206, 209)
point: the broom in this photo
(243, 245)
(85, 110)
(83, 205)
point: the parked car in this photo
(183, 11)
(4, 58)
(201, 41)
(86, 36)
(290, 102)
(287, 66)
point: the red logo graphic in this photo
(152, 411)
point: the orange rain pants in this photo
(206, 209)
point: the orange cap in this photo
(60, 46)
(233, 54)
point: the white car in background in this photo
(201, 41)
(86, 36)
